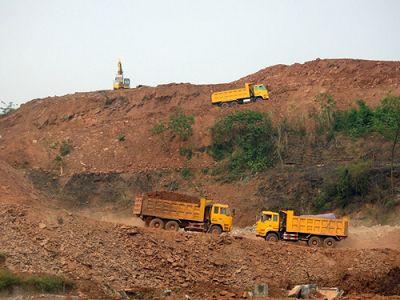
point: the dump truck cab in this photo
(221, 215)
(260, 91)
(268, 222)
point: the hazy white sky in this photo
(56, 47)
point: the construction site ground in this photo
(73, 219)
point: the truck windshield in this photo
(266, 217)
(225, 211)
(261, 87)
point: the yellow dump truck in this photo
(316, 230)
(171, 211)
(250, 93)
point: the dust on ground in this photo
(378, 236)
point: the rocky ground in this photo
(111, 260)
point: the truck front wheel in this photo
(329, 242)
(157, 223)
(172, 225)
(215, 230)
(314, 241)
(272, 237)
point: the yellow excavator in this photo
(120, 82)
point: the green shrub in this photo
(205, 170)
(181, 125)
(347, 185)
(186, 173)
(43, 283)
(324, 117)
(3, 257)
(121, 137)
(387, 116)
(65, 148)
(158, 128)
(6, 108)
(8, 279)
(246, 139)
(355, 122)
(48, 283)
(186, 152)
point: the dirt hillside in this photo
(92, 121)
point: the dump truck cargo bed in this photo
(168, 205)
(316, 225)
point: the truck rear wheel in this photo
(225, 105)
(329, 242)
(314, 241)
(215, 230)
(172, 225)
(157, 223)
(272, 237)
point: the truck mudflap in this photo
(291, 236)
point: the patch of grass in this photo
(121, 137)
(186, 152)
(180, 124)
(48, 283)
(186, 173)
(158, 128)
(42, 283)
(8, 279)
(205, 170)
(65, 148)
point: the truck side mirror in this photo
(233, 212)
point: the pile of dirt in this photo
(106, 259)
(173, 196)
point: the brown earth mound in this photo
(93, 121)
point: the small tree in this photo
(387, 122)
(181, 125)
(6, 108)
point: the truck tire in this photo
(157, 223)
(272, 237)
(225, 105)
(329, 242)
(215, 230)
(172, 226)
(314, 241)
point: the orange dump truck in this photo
(171, 211)
(316, 230)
